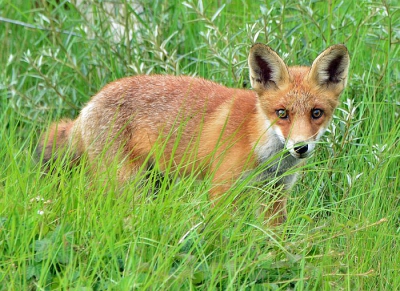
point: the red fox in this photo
(208, 128)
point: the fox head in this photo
(298, 102)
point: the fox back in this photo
(205, 127)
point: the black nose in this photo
(301, 149)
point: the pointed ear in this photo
(330, 68)
(267, 69)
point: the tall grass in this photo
(66, 231)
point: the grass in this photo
(64, 231)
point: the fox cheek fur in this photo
(224, 131)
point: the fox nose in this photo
(301, 149)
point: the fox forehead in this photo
(299, 97)
(302, 101)
(298, 74)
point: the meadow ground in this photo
(65, 232)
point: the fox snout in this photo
(301, 150)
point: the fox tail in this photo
(56, 143)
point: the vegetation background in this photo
(65, 232)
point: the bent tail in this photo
(58, 143)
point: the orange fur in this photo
(208, 128)
(57, 138)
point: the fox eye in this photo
(282, 113)
(316, 113)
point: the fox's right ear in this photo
(267, 69)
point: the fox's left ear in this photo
(330, 69)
